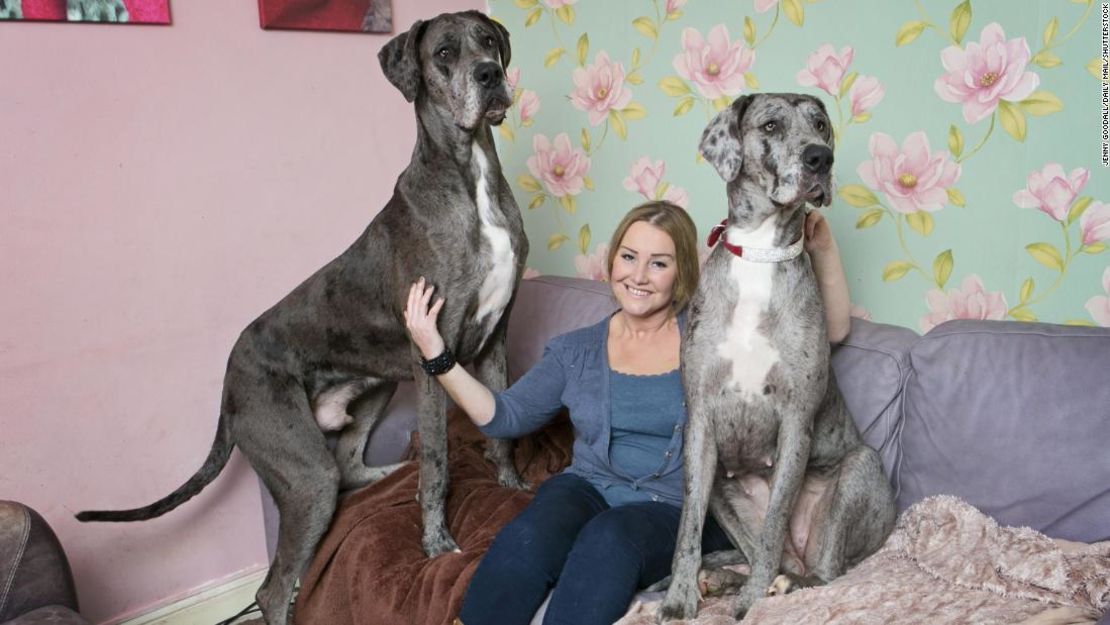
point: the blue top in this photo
(644, 410)
(574, 372)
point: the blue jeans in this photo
(596, 557)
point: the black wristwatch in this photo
(440, 364)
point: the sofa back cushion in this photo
(548, 306)
(871, 365)
(1014, 418)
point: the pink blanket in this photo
(945, 562)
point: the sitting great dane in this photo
(340, 335)
(771, 449)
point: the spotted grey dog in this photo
(340, 335)
(771, 449)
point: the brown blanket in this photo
(946, 562)
(370, 569)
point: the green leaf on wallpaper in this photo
(634, 78)
(955, 197)
(646, 27)
(1047, 255)
(1013, 119)
(1094, 248)
(566, 13)
(1041, 103)
(896, 269)
(526, 4)
(795, 12)
(537, 201)
(585, 140)
(635, 57)
(684, 106)
(553, 56)
(861, 118)
(1077, 208)
(857, 195)
(556, 241)
(722, 103)
(1023, 314)
(634, 111)
(1026, 291)
(955, 141)
(1080, 322)
(529, 183)
(1050, 30)
(870, 218)
(506, 131)
(584, 238)
(749, 31)
(675, 15)
(588, 182)
(961, 18)
(583, 48)
(570, 205)
(847, 83)
(533, 17)
(921, 222)
(616, 122)
(1046, 59)
(661, 189)
(942, 268)
(909, 31)
(1094, 67)
(751, 81)
(674, 86)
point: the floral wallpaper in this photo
(971, 158)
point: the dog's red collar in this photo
(759, 255)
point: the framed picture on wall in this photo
(357, 16)
(109, 11)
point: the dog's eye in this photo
(821, 126)
(769, 127)
(489, 41)
(443, 53)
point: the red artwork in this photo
(115, 11)
(367, 16)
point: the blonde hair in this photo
(673, 220)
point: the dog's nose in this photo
(817, 159)
(488, 74)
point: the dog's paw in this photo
(744, 601)
(720, 581)
(681, 602)
(439, 543)
(787, 583)
(511, 479)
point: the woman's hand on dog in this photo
(420, 321)
(818, 236)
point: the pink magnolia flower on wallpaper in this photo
(529, 105)
(1099, 306)
(865, 93)
(715, 64)
(825, 68)
(1052, 191)
(1095, 223)
(512, 77)
(989, 70)
(644, 178)
(859, 312)
(970, 301)
(592, 266)
(674, 5)
(562, 168)
(530, 273)
(762, 6)
(913, 178)
(599, 88)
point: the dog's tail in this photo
(217, 458)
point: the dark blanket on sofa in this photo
(370, 569)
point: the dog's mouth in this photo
(819, 194)
(497, 107)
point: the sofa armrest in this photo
(34, 570)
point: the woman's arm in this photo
(831, 281)
(471, 395)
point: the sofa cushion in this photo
(34, 571)
(1014, 418)
(871, 365)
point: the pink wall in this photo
(159, 188)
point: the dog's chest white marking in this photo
(497, 287)
(750, 352)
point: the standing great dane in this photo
(340, 335)
(771, 448)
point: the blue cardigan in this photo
(574, 372)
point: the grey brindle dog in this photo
(340, 335)
(771, 450)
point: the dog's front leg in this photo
(786, 479)
(431, 415)
(492, 369)
(700, 463)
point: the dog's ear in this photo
(502, 42)
(400, 59)
(720, 142)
